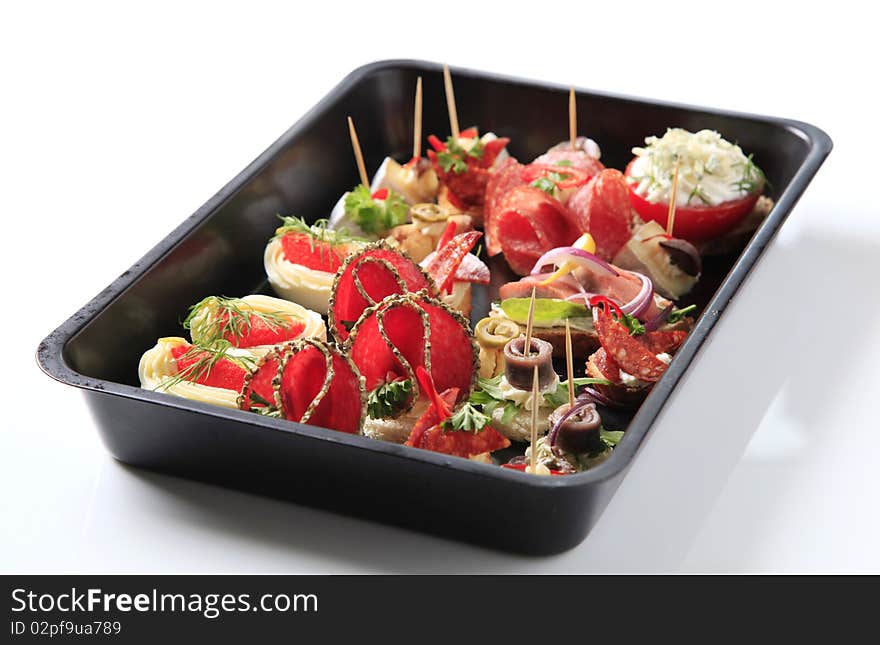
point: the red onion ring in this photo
(639, 305)
(585, 296)
(574, 255)
(659, 320)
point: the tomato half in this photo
(694, 223)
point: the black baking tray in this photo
(219, 250)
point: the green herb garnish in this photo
(548, 182)
(454, 158)
(677, 314)
(220, 318)
(389, 398)
(375, 216)
(489, 397)
(468, 418)
(560, 394)
(206, 357)
(632, 324)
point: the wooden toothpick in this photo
(527, 349)
(533, 462)
(572, 119)
(569, 364)
(417, 124)
(670, 216)
(358, 155)
(450, 102)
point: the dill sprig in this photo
(219, 318)
(206, 357)
(317, 232)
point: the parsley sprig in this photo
(467, 419)
(375, 216)
(317, 232)
(677, 314)
(388, 398)
(454, 158)
(548, 182)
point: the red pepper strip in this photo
(574, 176)
(448, 234)
(438, 145)
(430, 420)
(412, 162)
(427, 384)
(491, 151)
(469, 133)
(633, 356)
(595, 301)
(522, 468)
(382, 193)
(445, 262)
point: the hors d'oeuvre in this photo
(395, 337)
(463, 432)
(415, 181)
(212, 374)
(366, 278)
(228, 337)
(430, 224)
(719, 186)
(307, 381)
(584, 154)
(256, 322)
(577, 440)
(464, 165)
(454, 268)
(301, 260)
(564, 279)
(492, 334)
(631, 357)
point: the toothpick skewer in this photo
(417, 125)
(572, 119)
(450, 102)
(358, 155)
(533, 461)
(569, 365)
(527, 348)
(670, 216)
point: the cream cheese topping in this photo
(523, 398)
(712, 170)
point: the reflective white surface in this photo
(764, 459)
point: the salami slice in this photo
(320, 386)
(258, 391)
(404, 332)
(551, 225)
(602, 208)
(366, 278)
(664, 341)
(633, 356)
(430, 418)
(462, 443)
(443, 266)
(573, 158)
(505, 178)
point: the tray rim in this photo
(50, 351)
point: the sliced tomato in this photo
(694, 223)
(306, 251)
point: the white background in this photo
(117, 123)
